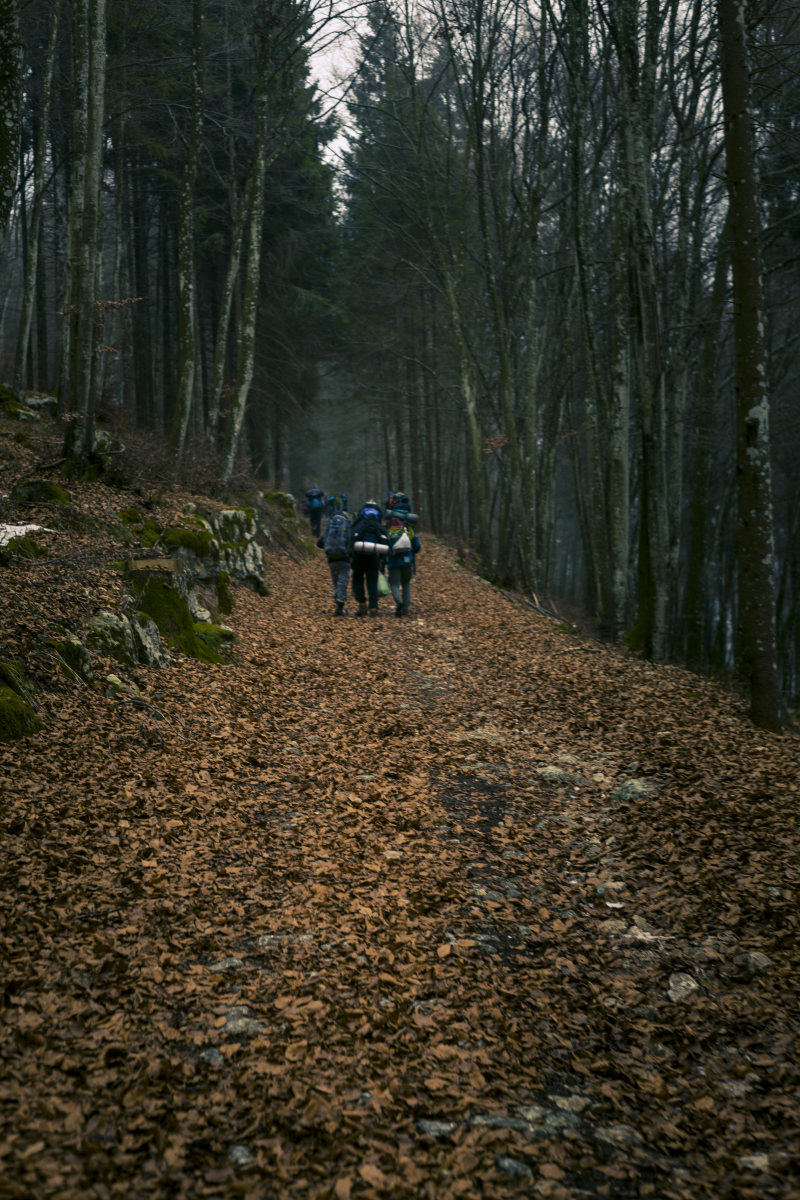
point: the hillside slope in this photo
(458, 906)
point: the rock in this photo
(74, 656)
(498, 1121)
(571, 1103)
(554, 774)
(613, 925)
(514, 1168)
(40, 402)
(619, 1135)
(437, 1128)
(634, 789)
(129, 640)
(226, 964)
(39, 491)
(212, 1055)
(121, 687)
(755, 1162)
(240, 1155)
(757, 964)
(239, 1020)
(681, 986)
(18, 717)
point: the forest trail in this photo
(463, 905)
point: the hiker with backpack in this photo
(315, 500)
(370, 546)
(404, 545)
(336, 541)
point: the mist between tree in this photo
(500, 264)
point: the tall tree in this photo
(11, 61)
(756, 549)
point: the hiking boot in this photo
(373, 612)
(362, 610)
(339, 609)
(398, 610)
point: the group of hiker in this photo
(377, 548)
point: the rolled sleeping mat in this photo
(370, 548)
(409, 517)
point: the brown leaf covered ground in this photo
(314, 925)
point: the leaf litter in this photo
(440, 907)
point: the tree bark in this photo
(755, 551)
(39, 159)
(187, 340)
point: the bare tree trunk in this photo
(247, 333)
(187, 335)
(756, 549)
(39, 159)
(10, 103)
(90, 23)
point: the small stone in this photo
(758, 964)
(534, 1114)
(571, 1103)
(239, 1020)
(755, 1162)
(619, 1135)
(681, 986)
(613, 925)
(226, 964)
(437, 1128)
(553, 774)
(634, 789)
(240, 1155)
(212, 1055)
(514, 1168)
(498, 1121)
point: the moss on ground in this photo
(23, 546)
(39, 491)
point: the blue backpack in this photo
(336, 538)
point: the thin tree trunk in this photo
(92, 24)
(247, 334)
(187, 339)
(39, 162)
(756, 549)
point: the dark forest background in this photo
(499, 273)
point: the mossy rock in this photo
(8, 395)
(216, 638)
(171, 614)
(22, 546)
(150, 532)
(12, 676)
(199, 542)
(17, 718)
(130, 516)
(224, 594)
(74, 655)
(284, 501)
(39, 491)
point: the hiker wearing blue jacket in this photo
(404, 545)
(370, 547)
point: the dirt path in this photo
(457, 906)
